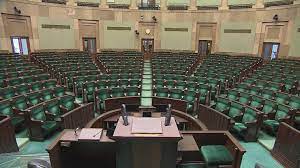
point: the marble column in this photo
(103, 4)
(224, 5)
(259, 4)
(193, 5)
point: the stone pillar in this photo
(103, 4)
(193, 5)
(133, 4)
(71, 3)
(163, 4)
(224, 5)
(259, 4)
(296, 2)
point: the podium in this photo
(146, 142)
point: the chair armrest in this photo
(251, 124)
(63, 109)
(238, 117)
(34, 122)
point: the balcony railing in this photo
(269, 3)
(89, 4)
(144, 6)
(55, 1)
(119, 6)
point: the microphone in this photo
(124, 115)
(168, 115)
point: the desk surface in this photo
(68, 135)
(187, 144)
(123, 132)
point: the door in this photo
(204, 47)
(20, 45)
(270, 50)
(147, 47)
(89, 44)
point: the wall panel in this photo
(56, 38)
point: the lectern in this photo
(146, 142)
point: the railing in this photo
(148, 6)
(55, 1)
(78, 117)
(213, 119)
(287, 146)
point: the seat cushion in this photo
(49, 126)
(216, 155)
(239, 128)
(272, 124)
(17, 120)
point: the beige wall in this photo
(237, 19)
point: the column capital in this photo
(193, 5)
(133, 4)
(296, 2)
(163, 4)
(224, 5)
(259, 4)
(103, 4)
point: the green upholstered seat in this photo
(190, 97)
(117, 92)
(8, 92)
(294, 102)
(49, 126)
(281, 113)
(22, 89)
(159, 83)
(169, 77)
(254, 90)
(170, 84)
(215, 155)
(36, 86)
(123, 82)
(34, 98)
(30, 79)
(242, 87)
(20, 103)
(268, 107)
(102, 84)
(248, 117)
(282, 98)
(47, 94)
(176, 93)
(6, 108)
(162, 92)
(53, 108)
(103, 94)
(232, 95)
(256, 102)
(67, 102)
(112, 83)
(180, 85)
(260, 84)
(192, 86)
(235, 110)
(267, 94)
(244, 98)
(221, 105)
(134, 82)
(15, 81)
(132, 91)
(59, 91)
(50, 84)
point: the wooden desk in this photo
(187, 144)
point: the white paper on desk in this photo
(90, 134)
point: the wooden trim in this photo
(118, 28)
(177, 29)
(50, 26)
(237, 30)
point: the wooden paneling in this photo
(287, 146)
(7, 136)
(213, 119)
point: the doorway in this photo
(270, 50)
(204, 47)
(89, 45)
(20, 45)
(147, 48)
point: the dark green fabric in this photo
(21, 103)
(68, 102)
(239, 128)
(216, 155)
(38, 113)
(17, 120)
(272, 124)
(117, 92)
(6, 109)
(49, 126)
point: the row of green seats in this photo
(11, 91)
